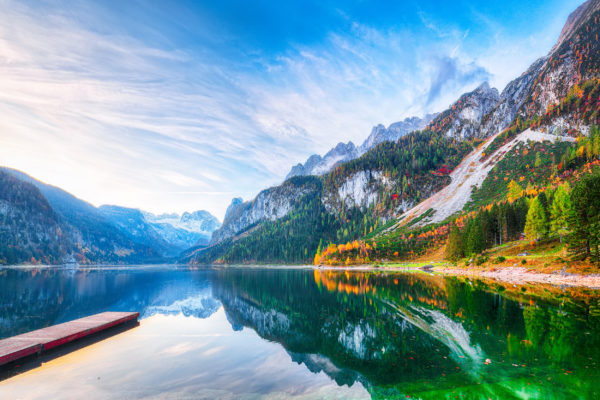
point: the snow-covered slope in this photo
(167, 233)
(187, 230)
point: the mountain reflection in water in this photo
(394, 334)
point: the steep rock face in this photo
(463, 120)
(358, 190)
(574, 58)
(270, 204)
(512, 99)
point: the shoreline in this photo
(512, 275)
(521, 275)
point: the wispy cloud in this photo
(452, 73)
(120, 109)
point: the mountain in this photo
(464, 118)
(169, 234)
(394, 132)
(343, 152)
(132, 223)
(558, 93)
(287, 223)
(540, 139)
(317, 165)
(30, 230)
(270, 204)
(43, 223)
(86, 235)
(185, 231)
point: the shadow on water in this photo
(36, 360)
(396, 334)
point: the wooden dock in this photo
(21, 346)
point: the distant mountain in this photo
(343, 152)
(187, 230)
(317, 165)
(394, 132)
(132, 223)
(86, 235)
(52, 226)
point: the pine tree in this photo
(454, 250)
(560, 209)
(536, 223)
(538, 160)
(475, 239)
(584, 218)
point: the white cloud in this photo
(114, 119)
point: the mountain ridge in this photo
(74, 231)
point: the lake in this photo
(257, 333)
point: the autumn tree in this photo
(514, 191)
(560, 209)
(536, 223)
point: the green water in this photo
(349, 334)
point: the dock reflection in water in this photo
(260, 333)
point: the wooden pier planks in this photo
(29, 343)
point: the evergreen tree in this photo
(454, 250)
(560, 209)
(536, 223)
(584, 218)
(475, 237)
(538, 160)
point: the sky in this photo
(172, 106)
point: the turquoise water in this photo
(264, 333)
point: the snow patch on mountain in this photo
(200, 221)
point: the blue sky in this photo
(173, 106)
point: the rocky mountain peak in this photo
(464, 117)
(343, 152)
(574, 21)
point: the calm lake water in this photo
(300, 333)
